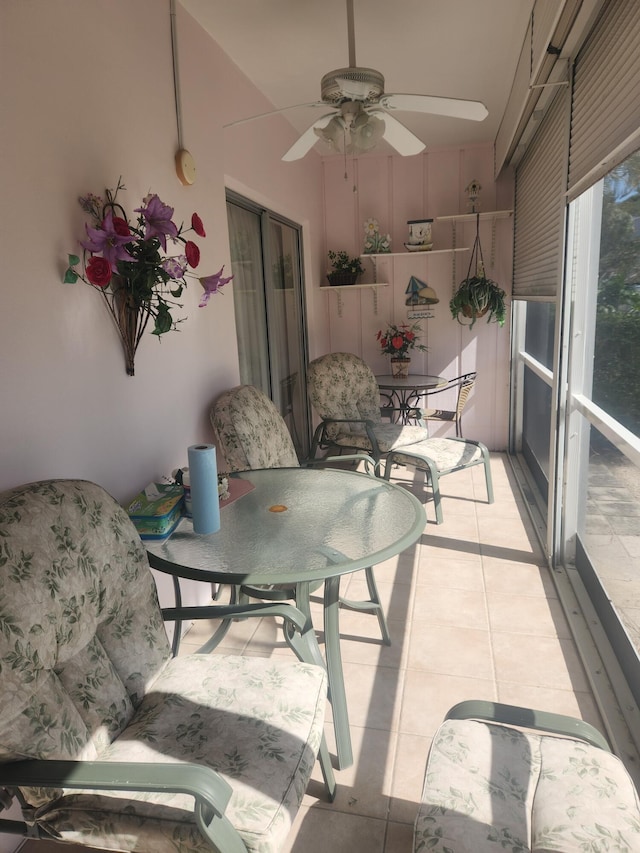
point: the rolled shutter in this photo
(541, 183)
(605, 109)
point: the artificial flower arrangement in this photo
(398, 341)
(124, 262)
(344, 269)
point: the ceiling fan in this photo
(361, 111)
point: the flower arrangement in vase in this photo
(344, 269)
(123, 261)
(398, 341)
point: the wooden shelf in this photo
(470, 217)
(354, 286)
(414, 254)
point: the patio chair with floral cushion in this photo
(108, 741)
(253, 435)
(505, 778)
(344, 393)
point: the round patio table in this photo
(402, 394)
(297, 526)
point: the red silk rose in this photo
(121, 227)
(99, 271)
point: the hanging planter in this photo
(478, 295)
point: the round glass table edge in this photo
(390, 383)
(410, 537)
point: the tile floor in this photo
(473, 613)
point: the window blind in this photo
(540, 207)
(605, 109)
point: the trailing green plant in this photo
(477, 295)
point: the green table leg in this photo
(335, 673)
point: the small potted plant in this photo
(344, 270)
(398, 342)
(478, 295)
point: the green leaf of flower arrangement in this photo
(70, 277)
(163, 320)
(74, 260)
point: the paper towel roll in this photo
(203, 473)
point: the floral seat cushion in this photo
(494, 788)
(86, 673)
(444, 453)
(191, 714)
(251, 430)
(341, 385)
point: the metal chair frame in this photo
(465, 384)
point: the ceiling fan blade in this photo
(398, 136)
(453, 107)
(308, 139)
(274, 113)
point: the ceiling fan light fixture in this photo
(366, 134)
(333, 134)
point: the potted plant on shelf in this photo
(478, 295)
(398, 342)
(345, 270)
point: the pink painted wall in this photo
(87, 95)
(394, 189)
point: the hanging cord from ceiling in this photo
(176, 79)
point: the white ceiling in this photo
(454, 48)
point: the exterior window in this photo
(603, 445)
(536, 405)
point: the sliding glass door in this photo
(266, 255)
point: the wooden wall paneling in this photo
(410, 197)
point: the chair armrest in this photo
(528, 718)
(370, 465)
(369, 428)
(176, 778)
(211, 792)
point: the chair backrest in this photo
(251, 431)
(467, 383)
(82, 637)
(342, 385)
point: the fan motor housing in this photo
(368, 85)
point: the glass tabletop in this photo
(418, 380)
(297, 524)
